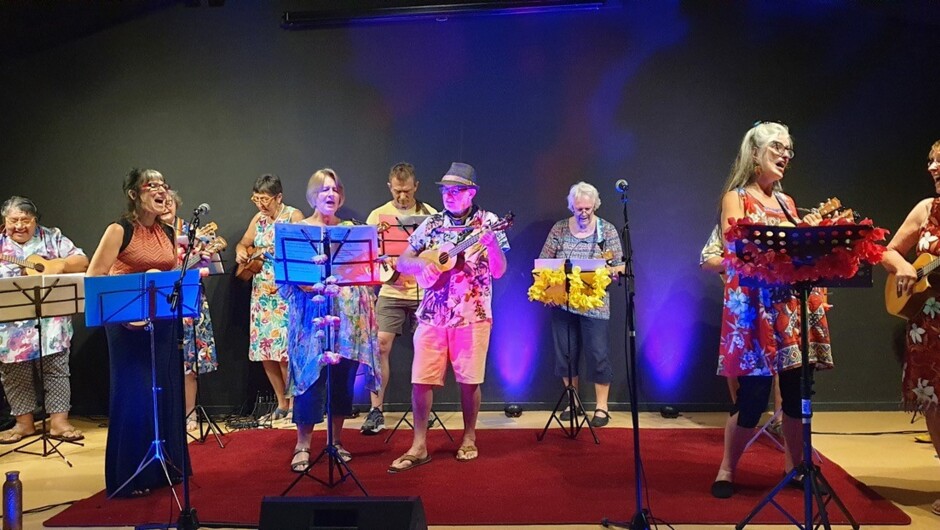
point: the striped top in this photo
(150, 248)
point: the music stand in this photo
(806, 246)
(336, 256)
(135, 297)
(35, 298)
(570, 393)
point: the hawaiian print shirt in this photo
(18, 340)
(464, 294)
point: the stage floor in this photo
(902, 471)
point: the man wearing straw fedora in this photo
(455, 316)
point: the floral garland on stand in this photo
(777, 267)
(548, 287)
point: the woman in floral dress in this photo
(922, 359)
(357, 342)
(268, 327)
(760, 328)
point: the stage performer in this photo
(711, 261)
(922, 355)
(455, 316)
(399, 297)
(584, 235)
(268, 326)
(760, 328)
(198, 338)
(23, 237)
(356, 344)
(139, 242)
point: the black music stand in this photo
(570, 394)
(326, 258)
(35, 298)
(806, 246)
(145, 296)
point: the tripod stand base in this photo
(333, 459)
(574, 423)
(206, 426)
(640, 521)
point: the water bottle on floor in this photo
(13, 502)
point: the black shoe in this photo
(566, 414)
(598, 420)
(722, 489)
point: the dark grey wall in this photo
(655, 93)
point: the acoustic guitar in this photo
(35, 265)
(256, 258)
(906, 305)
(447, 255)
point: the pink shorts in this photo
(465, 346)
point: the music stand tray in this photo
(805, 247)
(37, 298)
(344, 255)
(144, 297)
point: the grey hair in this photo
(583, 190)
(19, 203)
(752, 146)
(175, 197)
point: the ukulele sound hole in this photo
(39, 267)
(443, 259)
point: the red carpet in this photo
(516, 480)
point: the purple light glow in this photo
(514, 346)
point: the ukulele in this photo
(906, 305)
(831, 209)
(447, 255)
(35, 265)
(246, 271)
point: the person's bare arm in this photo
(107, 252)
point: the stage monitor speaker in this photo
(342, 513)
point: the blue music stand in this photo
(142, 297)
(335, 255)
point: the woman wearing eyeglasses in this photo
(920, 232)
(141, 242)
(760, 327)
(584, 235)
(268, 327)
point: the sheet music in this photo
(587, 265)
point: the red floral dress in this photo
(760, 327)
(922, 359)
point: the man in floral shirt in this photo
(455, 316)
(23, 237)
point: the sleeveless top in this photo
(760, 327)
(149, 248)
(922, 356)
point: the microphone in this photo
(202, 209)
(621, 185)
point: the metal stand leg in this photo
(815, 487)
(331, 452)
(156, 450)
(404, 419)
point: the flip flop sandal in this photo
(343, 453)
(413, 462)
(467, 453)
(12, 437)
(71, 435)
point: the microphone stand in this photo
(187, 519)
(641, 517)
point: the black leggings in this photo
(753, 391)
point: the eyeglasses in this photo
(453, 190)
(262, 200)
(781, 149)
(155, 186)
(21, 221)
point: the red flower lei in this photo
(777, 267)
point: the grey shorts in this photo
(393, 314)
